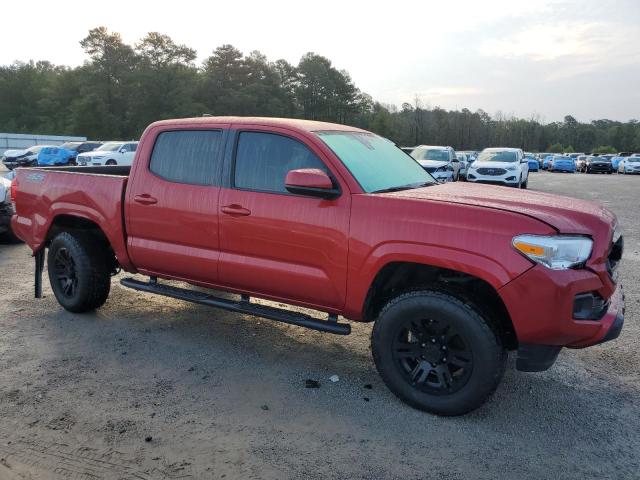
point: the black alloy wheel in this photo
(432, 356)
(65, 272)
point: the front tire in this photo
(79, 272)
(111, 162)
(437, 353)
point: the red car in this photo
(339, 220)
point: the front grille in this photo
(615, 255)
(491, 171)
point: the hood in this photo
(14, 153)
(478, 164)
(566, 215)
(433, 163)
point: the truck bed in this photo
(49, 196)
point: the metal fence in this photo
(17, 141)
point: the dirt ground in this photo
(153, 388)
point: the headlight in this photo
(511, 169)
(558, 252)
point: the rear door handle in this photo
(145, 199)
(236, 210)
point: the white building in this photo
(17, 141)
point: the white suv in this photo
(111, 153)
(440, 162)
(500, 166)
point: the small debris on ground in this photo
(368, 386)
(265, 407)
(334, 378)
(311, 383)
(366, 399)
(148, 438)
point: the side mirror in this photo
(312, 182)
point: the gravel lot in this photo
(150, 388)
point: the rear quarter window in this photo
(188, 156)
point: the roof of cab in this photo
(292, 123)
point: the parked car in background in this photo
(534, 166)
(76, 148)
(563, 164)
(580, 162)
(500, 166)
(111, 153)
(6, 210)
(407, 150)
(574, 155)
(440, 162)
(629, 165)
(548, 160)
(464, 164)
(599, 164)
(21, 158)
(50, 156)
(615, 162)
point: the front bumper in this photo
(509, 179)
(443, 176)
(543, 329)
(541, 305)
(599, 168)
(19, 162)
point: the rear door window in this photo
(188, 156)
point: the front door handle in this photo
(236, 210)
(145, 199)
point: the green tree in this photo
(555, 148)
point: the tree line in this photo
(122, 88)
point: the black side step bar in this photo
(243, 306)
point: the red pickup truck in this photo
(339, 220)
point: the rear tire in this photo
(79, 272)
(437, 353)
(111, 162)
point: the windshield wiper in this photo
(409, 186)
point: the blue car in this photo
(50, 156)
(615, 163)
(563, 164)
(534, 166)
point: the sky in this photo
(532, 58)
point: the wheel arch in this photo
(77, 223)
(397, 277)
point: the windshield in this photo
(431, 154)
(70, 145)
(110, 147)
(35, 149)
(497, 156)
(375, 162)
(633, 159)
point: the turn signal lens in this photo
(529, 249)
